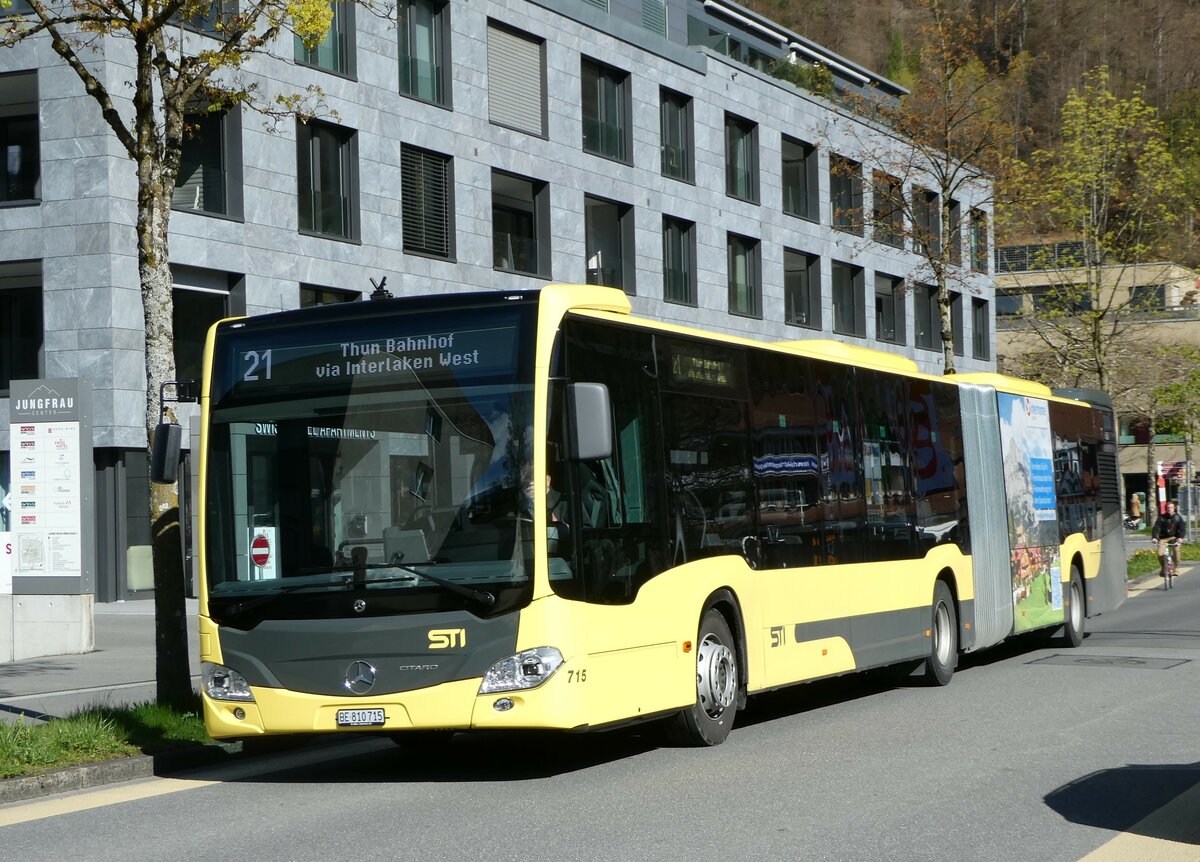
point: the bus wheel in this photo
(1074, 628)
(943, 652)
(709, 720)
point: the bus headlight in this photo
(527, 669)
(224, 683)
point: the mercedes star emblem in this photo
(359, 606)
(360, 677)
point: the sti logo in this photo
(27, 430)
(447, 638)
(29, 520)
(28, 444)
(29, 474)
(29, 504)
(29, 489)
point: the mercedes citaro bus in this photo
(537, 510)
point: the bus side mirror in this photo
(164, 453)
(590, 421)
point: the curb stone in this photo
(90, 775)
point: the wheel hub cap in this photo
(716, 676)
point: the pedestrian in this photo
(1135, 507)
(1168, 526)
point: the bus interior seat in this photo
(401, 545)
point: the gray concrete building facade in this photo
(493, 145)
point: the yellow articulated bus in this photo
(535, 510)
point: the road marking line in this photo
(1141, 842)
(71, 804)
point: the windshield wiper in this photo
(482, 596)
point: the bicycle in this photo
(1168, 558)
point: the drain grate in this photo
(1122, 661)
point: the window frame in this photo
(506, 115)
(440, 49)
(845, 187)
(979, 241)
(857, 289)
(686, 135)
(307, 137)
(343, 27)
(811, 292)
(21, 282)
(741, 133)
(806, 185)
(686, 231)
(624, 240)
(895, 294)
(619, 100)
(538, 211)
(408, 153)
(980, 329)
(887, 209)
(23, 100)
(317, 290)
(926, 304)
(752, 249)
(927, 222)
(230, 155)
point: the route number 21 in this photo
(257, 362)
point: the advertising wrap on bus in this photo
(1033, 514)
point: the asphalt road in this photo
(1031, 753)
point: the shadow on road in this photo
(1120, 798)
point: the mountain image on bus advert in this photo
(1032, 511)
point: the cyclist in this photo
(1169, 531)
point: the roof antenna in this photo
(379, 292)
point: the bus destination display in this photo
(482, 352)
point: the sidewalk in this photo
(121, 670)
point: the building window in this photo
(1147, 297)
(520, 224)
(19, 138)
(328, 173)
(741, 158)
(956, 321)
(745, 276)
(676, 117)
(889, 309)
(609, 233)
(427, 203)
(954, 232)
(334, 53)
(802, 288)
(210, 166)
(926, 223)
(928, 318)
(979, 242)
(424, 27)
(211, 17)
(312, 295)
(845, 194)
(605, 100)
(516, 80)
(799, 178)
(980, 336)
(887, 205)
(200, 297)
(1009, 304)
(679, 261)
(21, 325)
(848, 317)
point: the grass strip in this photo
(97, 733)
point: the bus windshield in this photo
(342, 470)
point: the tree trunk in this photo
(947, 324)
(170, 619)
(1151, 476)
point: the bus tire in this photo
(1073, 629)
(943, 630)
(709, 720)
